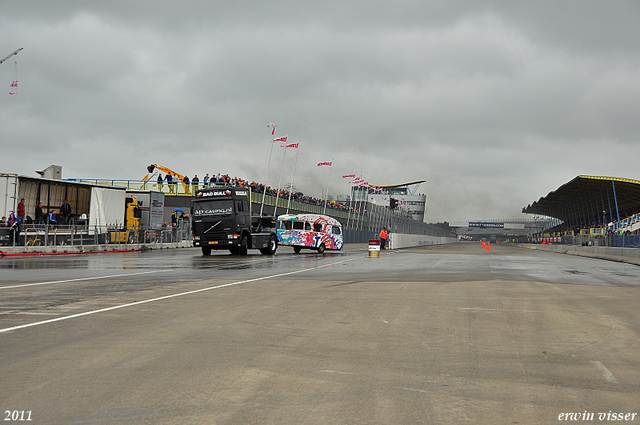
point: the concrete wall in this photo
(400, 240)
(626, 255)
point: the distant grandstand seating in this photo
(629, 224)
(592, 208)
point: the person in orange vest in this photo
(384, 236)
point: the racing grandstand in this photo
(590, 210)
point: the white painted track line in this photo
(80, 279)
(116, 307)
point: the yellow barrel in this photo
(374, 248)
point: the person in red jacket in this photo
(21, 210)
(384, 236)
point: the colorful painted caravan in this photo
(314, 231)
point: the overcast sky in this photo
(493, 104)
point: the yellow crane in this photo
(152, 172)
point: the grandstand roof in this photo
(389, 186)
(589, 196)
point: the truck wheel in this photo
(206, 250)
(297, 249)
(243, 246)
(321, 248)
(271, 248)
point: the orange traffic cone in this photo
(484, 245)
(488, 246)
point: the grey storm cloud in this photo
(494, 104)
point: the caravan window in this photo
(335, 230)
(285, 225)
(298, 225)
(307, 226)
(317, 227)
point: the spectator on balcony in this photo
(21, 210)
(13, 223)
(169, 179)
(185, 180)
(39, 214)
(65, 211)
(52, 218)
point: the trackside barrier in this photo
(625, 255)
(36, 238)
(607, 240)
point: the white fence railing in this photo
(32, 236)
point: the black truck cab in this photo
(221, 219)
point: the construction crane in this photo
(151, 169)
(12, 54)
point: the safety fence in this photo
(367, 226)
(608, 240)
(33, 236)
(359, 236)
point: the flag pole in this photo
(349, 214)
(359, 208)
(294, 177)
(366, 203)
(275, 210)
(264, 193)
(354, 199)
(326, 192)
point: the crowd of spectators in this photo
(226, 180)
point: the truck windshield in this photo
(217, 208)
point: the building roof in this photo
(389, 186)
(589, 196)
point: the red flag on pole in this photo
(14, 88)
(280, 139)
(274, 128)
(291, 145)
(328, 164)
(346, 176)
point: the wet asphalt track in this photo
(449, 334)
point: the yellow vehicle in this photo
(131, 229)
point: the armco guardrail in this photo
(625, 255)
(35, 238)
